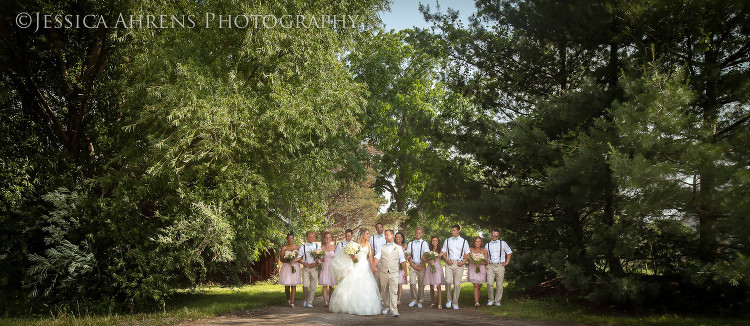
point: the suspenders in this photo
(449, 247)
(489, 251)
(304, 246)
(421, 246)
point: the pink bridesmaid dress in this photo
(477, 278)
(286, 277)
(326, 277)
(435, 278)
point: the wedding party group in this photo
(369, 272)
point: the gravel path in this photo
(319, 315)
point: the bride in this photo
(357, 292)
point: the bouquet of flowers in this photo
(431, 256)
(352, 249)
(289, 257)
(477, 259)
(318, 254)
(407, 254)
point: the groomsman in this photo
(417, 247)
(377, 241)
(348, 237)
(455, 248)
(499, 256)
(309, 270)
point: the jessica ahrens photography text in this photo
(37, 21)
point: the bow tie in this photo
(310, 244)
(454, 238)
(494, 241)
(389, 244)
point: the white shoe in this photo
(448, 304)
(304, 304)
(489, 303)
(309, 305)
(384, 312)
(455, 307)
(497, 304)
(419, 305)
(411, 304)
(394, 315)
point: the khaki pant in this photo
(453, 277)
(389, 292)
(495, 273)
(416, 284)
(309, 283)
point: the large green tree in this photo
(212, 144)
(547, 130)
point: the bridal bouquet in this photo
(430, 256)
(289, 257)
(352, 249)
(477, 259)
(318, 254)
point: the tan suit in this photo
(388, 273)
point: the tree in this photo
(404, 96)
(217, 143)
(545, 79)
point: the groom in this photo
(387, 260)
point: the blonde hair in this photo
(362, 238)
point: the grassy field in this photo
(188, 305)
(213, 301)
(559, 310)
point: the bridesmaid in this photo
(477, 247)
(287, 278)
(436, 279)
(326, 277)
(400, 241)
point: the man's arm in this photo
(509, 253)
(507, 260)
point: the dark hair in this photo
(290, 233)
(439, 245)
(403, 238)
(474, 240)
(456, 226)
(495, 230)
(348, 231)
(324, 235)
(376, 224)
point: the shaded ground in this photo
(319, 315)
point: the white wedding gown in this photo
(357, 292)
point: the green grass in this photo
(560, 310)
(186, 305)
(209, 302)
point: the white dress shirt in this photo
(497, 251)
(456, 248)
(417, 248)
(341, 246)
(304, 252)
(400, 250)
(376, 241)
